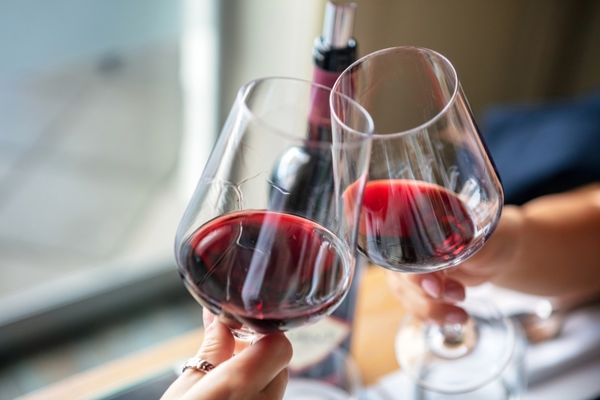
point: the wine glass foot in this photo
(451, 341)
(474, 356)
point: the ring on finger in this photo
(198, 364)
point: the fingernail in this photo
(455, 317)
(454, 291)
(431, 286)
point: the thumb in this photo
(218, 343)
(216, 348)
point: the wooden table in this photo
(377, 318)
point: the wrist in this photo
(512, 228)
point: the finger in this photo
(401, 283)
(476, 268)
(438, 286)
(410, 295)
(432, 284)
(422, 305)
(249, 372)
(207, 317)
(445, 313)
(469, 277)
(276, 387)
(216, 347)
(255, 367)
(453, 290)
(434, 310)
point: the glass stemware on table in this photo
(432, 199)
(260, 250)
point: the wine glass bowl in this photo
(266, 250)
(268, 270)
(433, 195)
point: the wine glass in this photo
(432, 199)
(251, 252)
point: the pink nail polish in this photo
(431, 286)
(454, 292)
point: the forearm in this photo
(556, 245)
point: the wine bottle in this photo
(333, 52)
(319, 348)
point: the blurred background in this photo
(109, 108)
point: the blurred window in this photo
(108, 111)
(92, 106)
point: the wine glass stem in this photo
(454, 334)
(244, 334)
(244, 337)
(452, 340)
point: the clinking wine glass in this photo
(432, 199)
(243, 251)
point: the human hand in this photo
(257, 372)
(434, 296)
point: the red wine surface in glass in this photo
(270, 271)
(411, 224)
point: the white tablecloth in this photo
(564, 368)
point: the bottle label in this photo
(320, 114)
(313, 343)
(325, 78)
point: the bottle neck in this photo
(333, 52)
(331, 59)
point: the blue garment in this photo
(543, 149)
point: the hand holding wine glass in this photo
(512, 260)
(436, 296)
(260, 372)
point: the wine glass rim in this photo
(430, 121)
(242, 96)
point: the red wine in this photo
(270, 271)
(410, 224)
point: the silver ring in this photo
(198, 364)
